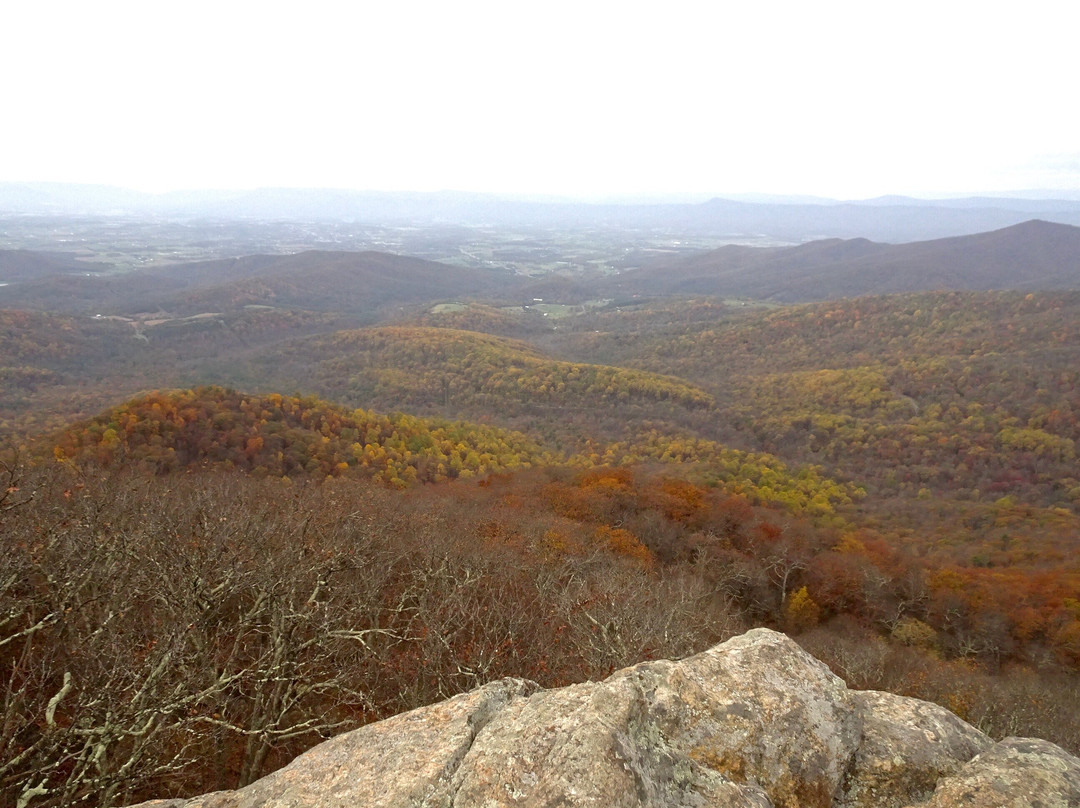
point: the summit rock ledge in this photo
(751, 723)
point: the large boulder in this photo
(753, 722)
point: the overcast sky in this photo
(847, 100)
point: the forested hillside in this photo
(948, 408)
(284, 436)
(465, 374)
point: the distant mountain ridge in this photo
(348, 282)
(1031, 255)
(893, 219)
(26, 265)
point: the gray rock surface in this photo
(1015, 773)
(907, 747)
(753, 722)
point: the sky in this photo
(576, 99)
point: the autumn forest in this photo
(249, 503)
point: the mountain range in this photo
(1031, 255)
(792, 219)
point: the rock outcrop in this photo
(753, 722)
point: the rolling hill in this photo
(464, 374)
(288, 436)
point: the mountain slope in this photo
(1032, 255)
(959, 412)
(352, 283)
(24, 265)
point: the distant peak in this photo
(1040, 227)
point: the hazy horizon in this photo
(673, 197)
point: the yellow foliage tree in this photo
(801, 612)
